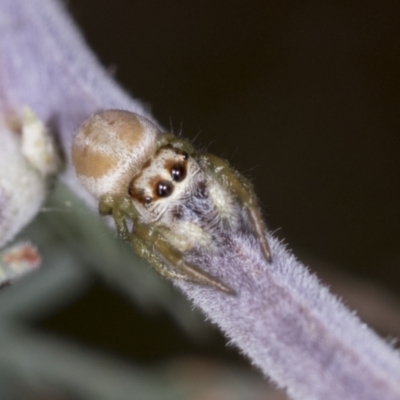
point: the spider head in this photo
(163, 180)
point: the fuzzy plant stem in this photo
(282, 318)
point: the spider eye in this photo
(164, 189)
(178, 172)
(147, 199)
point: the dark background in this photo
(301, 96)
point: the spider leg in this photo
(109, 205)
(242, 189)
(167, 260)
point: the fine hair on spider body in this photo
(184, 204)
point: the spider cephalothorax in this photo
(180, 201)
(162, 182)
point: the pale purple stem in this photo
(282, 318)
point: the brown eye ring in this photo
(178, 172)
(164, 188)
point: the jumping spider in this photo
(179, 200)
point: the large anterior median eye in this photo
(178, 172)
(164, 188)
